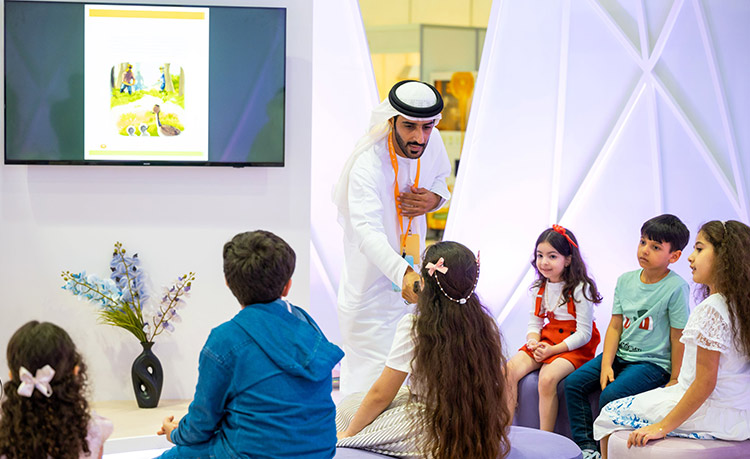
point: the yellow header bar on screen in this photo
(148, 14)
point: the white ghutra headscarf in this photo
(414, 100)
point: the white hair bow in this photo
(41, 382)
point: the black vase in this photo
(148, 377)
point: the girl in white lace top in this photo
(712, 396)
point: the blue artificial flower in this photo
(124, 295)
(92, 288)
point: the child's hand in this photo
(167, 426)
(532, 344)
(542, 352)
(641, 436)
(607, 376)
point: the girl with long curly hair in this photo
(454, 406)
(712, 396)
(45, 412)
(561, 334)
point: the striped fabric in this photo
(390, 433)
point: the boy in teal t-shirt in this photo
(642, 349)
(649, 312)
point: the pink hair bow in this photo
(41, 381)
(439, 266)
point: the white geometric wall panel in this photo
(600, 115)
(344, 93)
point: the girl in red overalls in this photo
(561, 334)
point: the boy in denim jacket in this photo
(264, 382)
(642, 349)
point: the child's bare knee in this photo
(547, 384)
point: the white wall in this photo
(177, 219)
(600, 115)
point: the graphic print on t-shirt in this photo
(646, 324)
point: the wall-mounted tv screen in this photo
(106, 83)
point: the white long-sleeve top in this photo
(584, 313)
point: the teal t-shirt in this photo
(648, 312)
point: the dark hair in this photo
(573, 274)
(667, 228)
(257, 266)
(38, 426)
(458, 362)
(731, 274)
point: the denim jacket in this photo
(264, 388)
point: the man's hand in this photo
(607, 376)
(407, 286)
(418, 202)
(167, 426)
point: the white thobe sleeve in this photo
(439, 185)
(366, 218)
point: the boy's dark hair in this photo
(667, 228)
(257, 266)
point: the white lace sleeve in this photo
(708, 329)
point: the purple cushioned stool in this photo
(351, 453)
(525, 443)
(527, 411)
(677, 448)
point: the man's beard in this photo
(405, 146)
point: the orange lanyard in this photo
(397, 192)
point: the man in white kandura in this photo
(394, 177)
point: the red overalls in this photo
(555, 331)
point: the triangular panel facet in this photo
(691, 189)
(624, 13)
(601, 77)
(656, 12)
(685, 72)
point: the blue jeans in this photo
(630, 378)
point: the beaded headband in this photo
(559, 229)
(439, 266)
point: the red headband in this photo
(561, 230)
